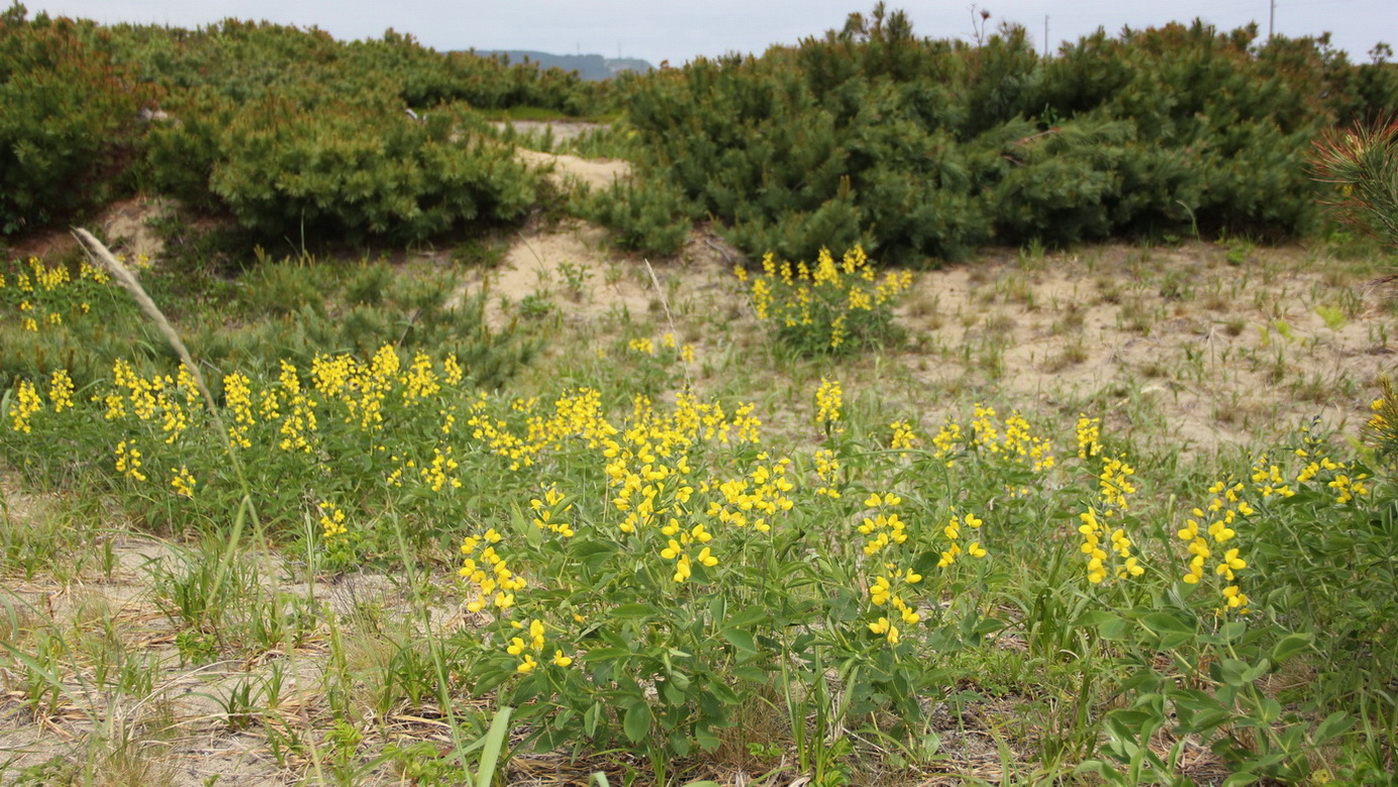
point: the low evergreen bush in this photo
(348, 172)
(918, 148)
(70, 120)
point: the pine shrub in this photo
(69, 125)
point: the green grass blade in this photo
(494, 743)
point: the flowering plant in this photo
(833, 308)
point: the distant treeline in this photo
(592, 68)
(919, 148)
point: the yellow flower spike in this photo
(128, 461)
(27, 404)
(61, 391)
(182, 481)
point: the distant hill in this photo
(593, 68)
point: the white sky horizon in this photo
(657, 30)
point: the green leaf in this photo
(1269, 710)
(532, 535)
(987, 626)
(1256, 671)
(705, 737)
(636, 725)
(605, 653)
(1289, 646)
(679, 743)
(593, 554)
(590, 719)
(1232, 672)
(748, 617)
(1095, 618)
(1203, 722)
(750, 673)
(720, 690)
(674, 695)
(1166, 623)
(741, 640)
(1335, 725)
(633, 611)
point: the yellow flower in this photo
(332, 521)
(128, 461)
(1234, 598)
(880, 592)
(560, 659)
(887, 629)
(903, 437)
(829, 401)
(671, 551)
(182, 482)
(27, 403)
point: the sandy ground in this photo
(595, 173)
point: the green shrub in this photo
(341, 173)
(69, 124)
(920, 148)
(1363, 163)
(181, 152)
(245, 61)
(651, 216)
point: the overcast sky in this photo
(659, 30)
